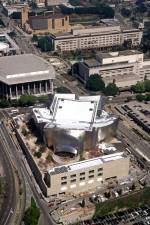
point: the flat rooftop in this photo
(121, 78)
(117, 54)
(69, 112)
(87, 163)
(74, 111)
(92, 63)
(92, 31)
(24, 68)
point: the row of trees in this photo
(142, 98)
(44, 43)
(24, 100)
(103, 10)
(141, 87)
(95, 83)
(125, 12)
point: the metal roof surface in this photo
(24, 68)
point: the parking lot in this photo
(138, 216)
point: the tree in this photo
(27, 100)
(138, 88)
(147, 85)
(141, 8)
(32, 214)
(75, 2)
(95, 83)
(35, 38)
(104, 10)
(38, 154)
(139, 2)
(140, 98)
(147, 97)
(4, 103)
(45, 44)
(111, 89)
(43, 98)
(49, 157)
(14, 103)
(125, 12)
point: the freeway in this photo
(140, 147)
(9, 204)
(16, 155)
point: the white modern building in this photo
(108, 33)
(25, 74)
(7, 45)
(124, 67)
(74, 124)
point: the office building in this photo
(102, 36)
(25, 74)
(126, 68)
(85, 176)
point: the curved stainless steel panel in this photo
(78, 139)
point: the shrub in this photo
(38, 154)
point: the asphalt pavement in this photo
(9, 204)
(140, 147)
